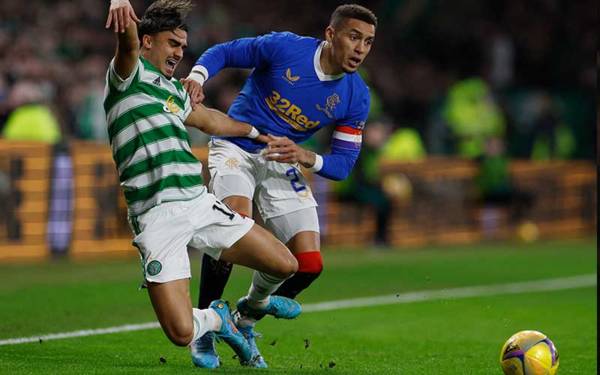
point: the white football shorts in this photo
(164, 233)
(278, 189)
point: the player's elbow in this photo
(340, 175)
(335, 174)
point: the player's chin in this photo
(350, 68)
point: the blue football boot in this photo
(204, 354)
(230, 334)
(279, 307)
(257, 359)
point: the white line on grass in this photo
(573, 282)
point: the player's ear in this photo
(329, 32)
(146, 41)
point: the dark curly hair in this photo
(164, 15)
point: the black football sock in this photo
(213, 278)
(295, 284)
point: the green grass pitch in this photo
(451, 336)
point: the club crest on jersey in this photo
(232, 163)
(291, 79)
(170, 106)
(332, 101)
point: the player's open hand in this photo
(195, 91)
(263, 138)
(284, 150)
(120, 15)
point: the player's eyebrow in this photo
(360, 33)
(177, 43)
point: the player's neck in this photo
(326, 60)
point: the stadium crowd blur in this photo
(447, 77)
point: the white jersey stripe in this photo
(347, 137)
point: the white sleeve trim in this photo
(122, 84)
(199, 74)
(318, 164)
(254, 133)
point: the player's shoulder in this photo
(288, 38)
(358, 84)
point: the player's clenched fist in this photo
(120, 14)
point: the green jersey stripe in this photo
(148, 192)
(151, 122)
(164, 158)
(115, 95)
(123, 152)
(145, 88)
(135, 114)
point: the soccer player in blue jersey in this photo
(298, 86)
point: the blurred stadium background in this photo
(482, 135)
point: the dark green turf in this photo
(437, 337)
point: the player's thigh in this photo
(216, 226)
(260, 250)
(299, 230)
(173, 308)
(283, 190)
(239, 204)
(162, 237)
(232, 171)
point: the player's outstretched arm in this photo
(122, 19)
(214, 122)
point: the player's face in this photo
(351, 43)
(165, 50)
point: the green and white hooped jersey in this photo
(150, 144)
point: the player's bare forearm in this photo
(122, 20)
(284, 150)
(213, 122)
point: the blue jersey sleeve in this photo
(245, 53)
(346, 141)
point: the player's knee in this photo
(180, 335)
(285, 267)
(310, 262)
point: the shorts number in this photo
(295, 181)
(219, 206)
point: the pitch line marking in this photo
(545, 285)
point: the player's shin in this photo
(213, 278)
(262, 287)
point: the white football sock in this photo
(262, 287)
(205, 320)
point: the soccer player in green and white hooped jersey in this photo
(169, 207)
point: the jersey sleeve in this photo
(122, 84)
(247, 53)
(346, 142)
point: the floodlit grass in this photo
(461, 336)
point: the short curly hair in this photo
(164, 15)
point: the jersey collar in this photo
(317, 62)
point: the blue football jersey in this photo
(287, 93)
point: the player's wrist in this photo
(253, 134)
(317, 165)
(198, 74)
